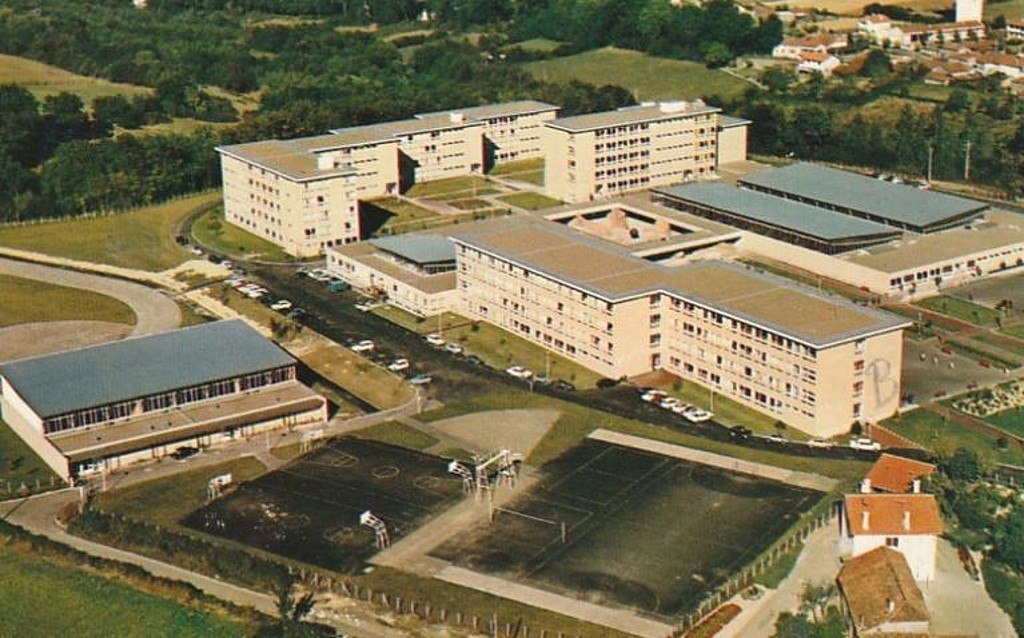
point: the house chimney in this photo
(890, 606)
(915, 486)
(865, 486)
(864, 520)
(906, 520)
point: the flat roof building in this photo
(816, 228)
(758, 339)
(100, 406)
(896, 205)
(600, 155)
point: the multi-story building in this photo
(511, 130)
(907, 523)
(602, 154)
(758, 339)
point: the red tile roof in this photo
(896, 474)
(879, 588)
(892, 514)
(814, 56)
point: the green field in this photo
(393, 215)
(28, 300)
(399, 434)
(44, 598)
(647, 77)
(530, 171)
(960, 309)
(530, 201)
(944, 437)
(164, 502)
(19, 465)
(1011, 421)
(212, 231)
(540, 45)
(453, 188)
(142, 238)
(43, 80)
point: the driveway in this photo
(154, 311)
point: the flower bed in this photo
(714, 622)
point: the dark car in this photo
(607, 383)
(740, 432)
(472, 359)
(563, 386)
(184, 452)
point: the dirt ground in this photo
(516, 430)
(34, 339)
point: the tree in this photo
(717, 55)
(876, 64)
(962, 465)
(778, 79)
(1009, 539)
(20, 125)
(958, 101)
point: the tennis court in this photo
(612, 524)
(309, 510)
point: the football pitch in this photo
(309, 510)
(612, 524)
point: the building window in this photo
(655, 339)
(892, 541)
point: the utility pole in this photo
(931, 159)
(967, 162)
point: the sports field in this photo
(309, 510)
(640, 529)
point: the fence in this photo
(444, 220)
(99, 213)
(775, 552)
(13, 488)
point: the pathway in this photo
(154, 311)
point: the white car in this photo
(281, 304)
(255, 293)
(864, 443)
(363, 346)
(421, 379)
(398, 365)
(318, 274)
(696, 415)
(819, 443)
(653, 396)
(518, 372)
(453, 347)
(364, 306)
(434, 339)
(669, 402)
(681, 408)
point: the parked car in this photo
(364, 306)
(434, 339)
(474, 360)
(740, 432)
(420, 379)
(563, 386)
(363, 346)
(681, 408)
(518, 372)
(697, 415)
(281, 304)
(776, 438)
(819, 443)
(864, 443)
(669, 402)
(398, 365)
(338, 286)
(453, 347)
(653, 396)
(542, 379)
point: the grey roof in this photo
(631, 115)
(522, 107)
(891, 203)
(728, 121)
(419, 249)
(99, 375)
(803, 219)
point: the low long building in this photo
(817, 362)
(97, 408)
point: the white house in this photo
(792, 47)
(907, 523)
(881, 30)
(1012, 66)
(817, 62)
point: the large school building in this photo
(100, 407)
(304, 194)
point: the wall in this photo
(27, 425)
(919, 550)
(732, 145)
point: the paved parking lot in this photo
(991, 291)
(927, 372)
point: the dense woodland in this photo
(311, 73)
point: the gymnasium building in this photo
(101, 407)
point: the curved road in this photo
(154, 311)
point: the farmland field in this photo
(647, 77)
(43, 80)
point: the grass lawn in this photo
(1016, 330)
(212, 231)
(646, 76)
(1006, 588)
(469, 204)
(1011, 421)
(501, 349)
(27, 300)
(392, 215)
(944, 437)
(43, 80)
(361, 377)
(398, 434)
(541, 45)
(729, 412)
(407, 320)
(142, 238)
(530, 201)
(960, 309)
(774, 575)
(81, 603)
(577, 421)
(165, 501)
(930, 92)
(1011, 9)
(19, 464)
(528, 170)
(451, 186)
